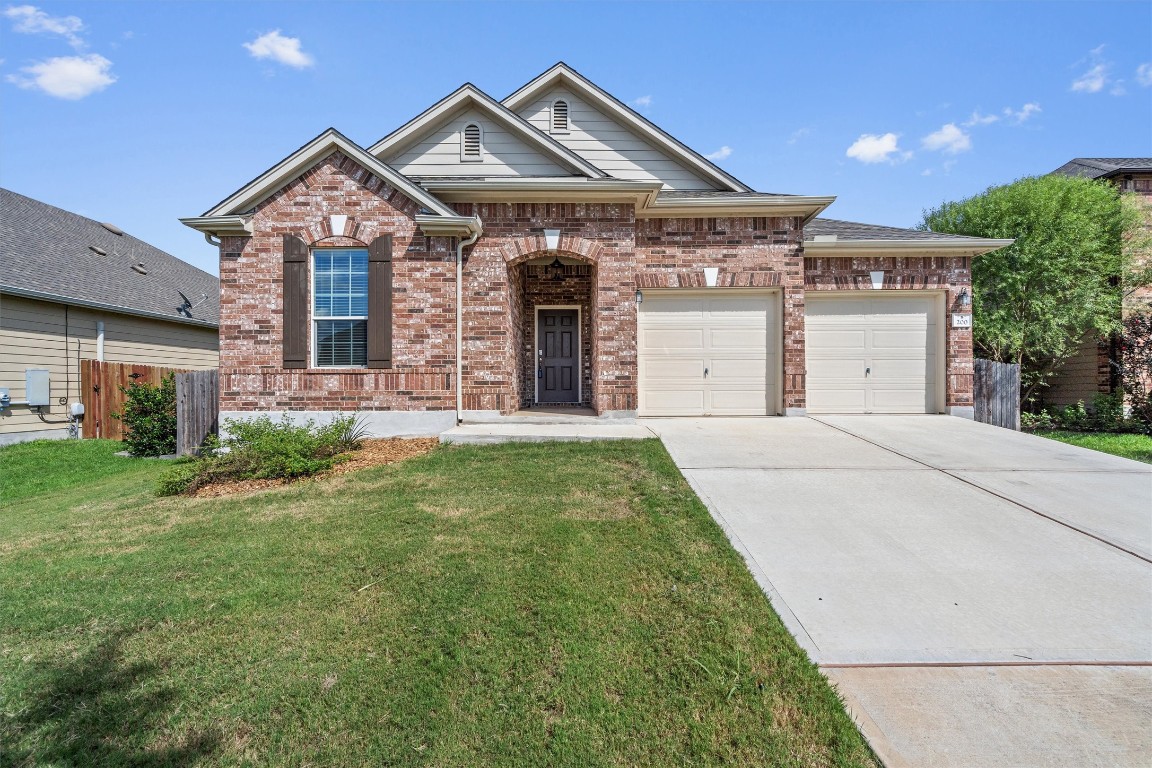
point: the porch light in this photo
(965, 298)
(639, 297)
(878, 279)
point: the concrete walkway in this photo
(980, 597)
(529, 432)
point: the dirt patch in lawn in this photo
(372, 453)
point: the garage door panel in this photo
(836, 368)
(738, 369)
(833, 400)
(726, 333)
(872, 354)
(913, 339)
(674, 339)
(686, 368)
(835, 339)
(739, 338)
(675, 402)
(737, 402)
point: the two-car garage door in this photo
(715, 353)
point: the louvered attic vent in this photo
(471, 145)
(559, 116)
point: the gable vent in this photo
(470, 146)
(559, 116)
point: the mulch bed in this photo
(372, 453)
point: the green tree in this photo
(1035, 301)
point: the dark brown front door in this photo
(557, 357)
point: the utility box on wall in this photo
(37, 386)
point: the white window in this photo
(560, 116)
(472, 143)
(340, 307)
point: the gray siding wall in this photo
(36, 334)
(504, 153)
(610, 146)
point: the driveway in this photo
(980, 597)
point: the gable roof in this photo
(304, 158)
(469, 95)
(628, 117)
(47, 253)
(1104, 167)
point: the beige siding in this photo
(1079, 378)
(33, 334)
(504, 153)
(610, 146)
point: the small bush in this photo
(149, 417)
(1107, 414)
(263, 449)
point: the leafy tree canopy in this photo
(1036, 300)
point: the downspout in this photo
(460, 245)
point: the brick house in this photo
(557, 248)
(1090, 373)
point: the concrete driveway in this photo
(980, 597)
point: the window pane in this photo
(341, 283)
(341, 342)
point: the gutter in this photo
(69, 301)
(808, 206)
(833, 247)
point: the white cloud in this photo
(1118, 88)
(926, 172)
(1092, 81)
(1097, 76)
(1144, 74)
(979, 119)
(949, 138)
(1018, 116)
(877, 148)
(720, 154)
(642, 102)
(30, 20)
(67, 77)
(798, 134)
(284, 50)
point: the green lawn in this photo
(516, 605)
(1138, 447)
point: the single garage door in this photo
(708, 353)
(872, 354)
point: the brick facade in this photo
(615, 254)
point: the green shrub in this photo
(149, 417)
(1107, 414)
(263, 449)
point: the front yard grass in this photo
(1130, 446)
(514, 605)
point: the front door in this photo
(557, 356)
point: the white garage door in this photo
(707, 354)
(872, 354)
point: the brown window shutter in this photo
(295, 302)
(380, 302)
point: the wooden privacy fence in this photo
(100, 393)
(197, 409)
(997, 393)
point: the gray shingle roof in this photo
(1101, 167)
(47, 250)
(852, 230)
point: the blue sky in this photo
(141, 112)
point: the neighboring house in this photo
(1090, 373)
(74, 289)
(605, 264)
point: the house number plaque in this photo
(961, 321)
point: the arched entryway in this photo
(553, 312)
